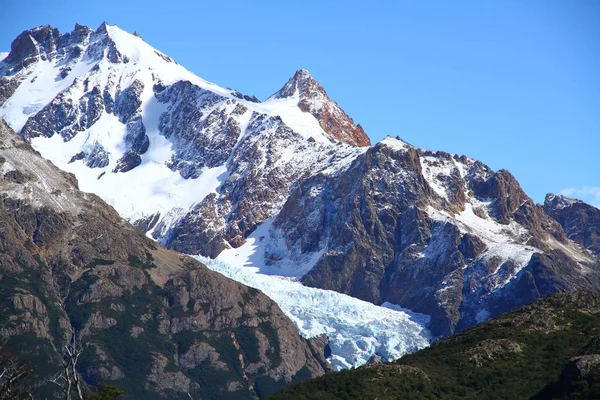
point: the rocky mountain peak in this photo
(103, 28)
(580, 221)
(301, 84)
(312, 98)
(33, 42)
(558, 201)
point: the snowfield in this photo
(356, 329)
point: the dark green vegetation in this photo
(549, 349)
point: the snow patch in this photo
(266, 239)
(36, 92)
(6, 168)
(505, 243)
(301, 122)
(143, 191)
(395, 144)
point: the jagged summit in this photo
(581, 221)
(301, 84)
(305, 92)
(559, 201)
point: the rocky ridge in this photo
(439, 234)
(580, 221)
(313, 99)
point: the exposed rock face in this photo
(262, 169)
(37, 42)
(580, 221)
(489, 350)
(151, 320)
(580, 367)
(313, 99)
(439, 234)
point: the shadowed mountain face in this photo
(202, 169)
(549, 349)
(151, 321)
(580, 221)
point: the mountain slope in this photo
(439, 234)
(580, 221)
(548, 349)
(310, 97)
(152, 321)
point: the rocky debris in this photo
(375, 359)
(147, 316)
(580, 221)
(580, 367)
(490, 349)
(313, 99)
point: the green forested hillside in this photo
(548, 349)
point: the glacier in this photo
(356, 329)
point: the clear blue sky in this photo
(515, 84)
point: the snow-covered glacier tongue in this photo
(356, 329)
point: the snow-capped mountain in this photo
(156, 141)
(289, 186)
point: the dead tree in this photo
(13, 371)
(68, 379)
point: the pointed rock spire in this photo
(33, 42)
(103, 28)
(313, 99)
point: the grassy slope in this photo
(519, 355)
